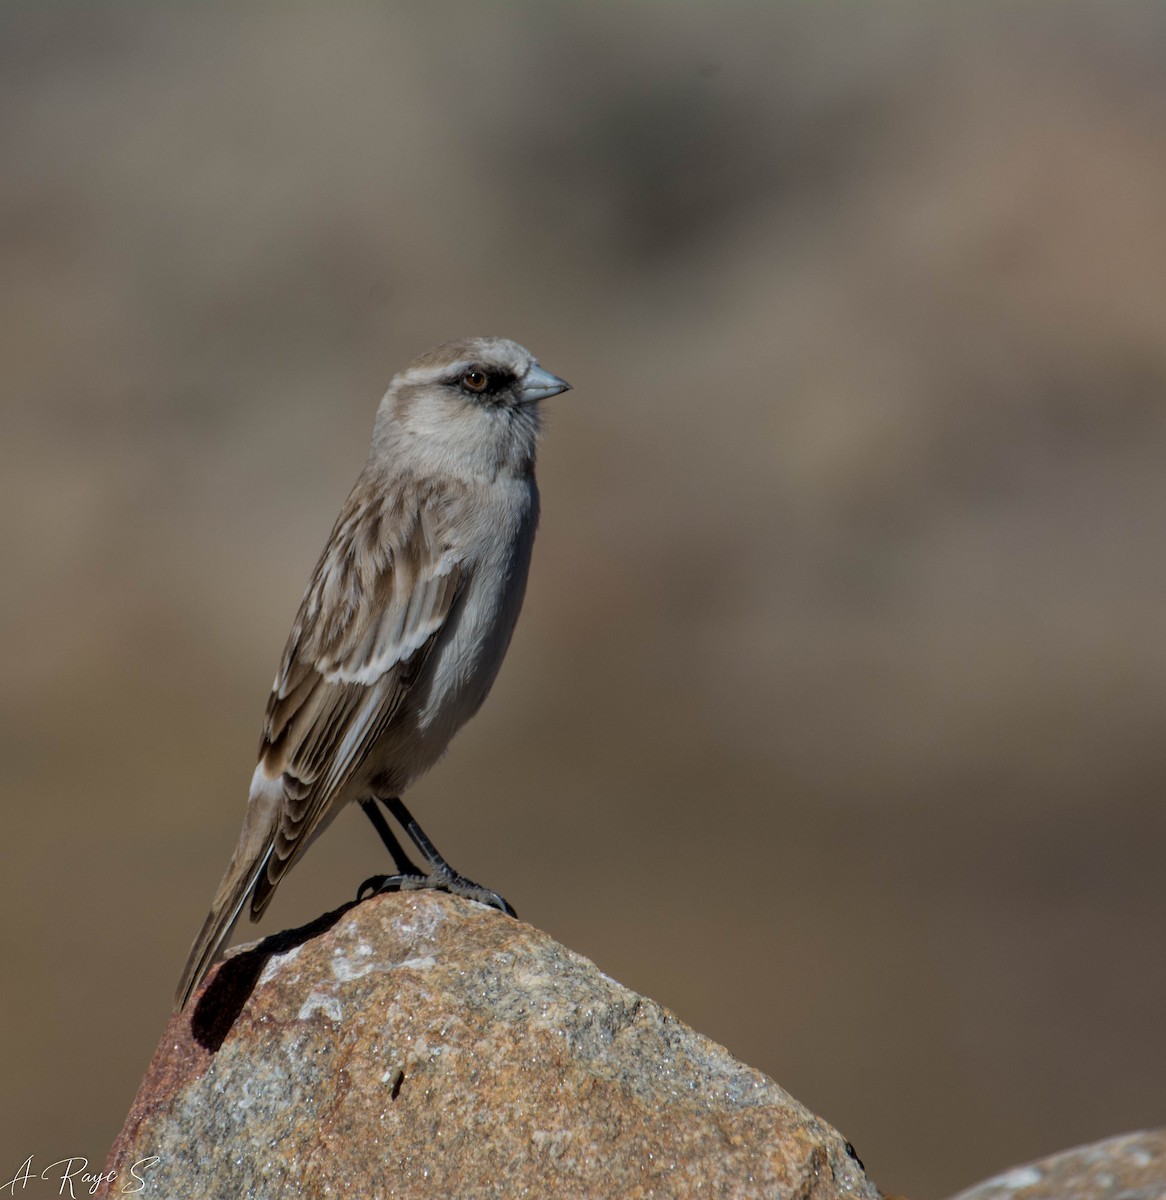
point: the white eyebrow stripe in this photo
(423, 375)
(434, 374)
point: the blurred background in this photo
(834, 721)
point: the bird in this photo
(402, 627)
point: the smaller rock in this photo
(1132, 1167)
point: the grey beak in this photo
(539, 384)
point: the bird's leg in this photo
(404, 863)
(407, 870)
(441, 875)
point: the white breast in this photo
(467, 658)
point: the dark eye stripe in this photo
(494, 380)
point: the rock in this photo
(420, 1045)
(1132, 1166)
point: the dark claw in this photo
(371, 885)
(376, 884)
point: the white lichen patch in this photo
(323, 1002)
(276, 963)
(422, 922)
(345, 968)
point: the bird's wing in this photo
(378, 600)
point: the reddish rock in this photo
(419, 1045)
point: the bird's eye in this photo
(475, 380)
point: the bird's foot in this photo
(442, 880)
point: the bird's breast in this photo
(470, 650)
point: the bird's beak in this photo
(539, 384)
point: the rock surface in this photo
(1132, 1167)
(420, 1045)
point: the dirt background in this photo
(835, 718)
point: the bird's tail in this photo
(216, 929)
(247, 864)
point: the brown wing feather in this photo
(369, 618)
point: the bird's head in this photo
(469, 406)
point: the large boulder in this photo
(422, 1045)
